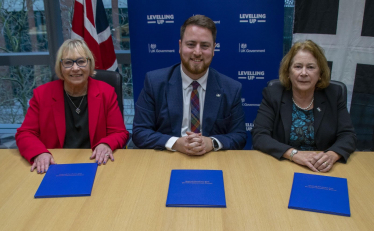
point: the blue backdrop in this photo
(249, 41)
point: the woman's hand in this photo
(102, 153)
(42, 162)
(317, 162)
(325, 160)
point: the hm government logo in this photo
(252, 18)
(244, 104)
(251, 75)
(249, 126)
(217, 47)
(152, 48)
(160, 19)
(243, 49)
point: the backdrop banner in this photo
(248, 46)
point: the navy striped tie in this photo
(195, 108)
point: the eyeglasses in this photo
(81, 62)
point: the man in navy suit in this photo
(174, 112)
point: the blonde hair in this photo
(69, 46)
(317, 52)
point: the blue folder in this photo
(196, 188)
(67, 180)
(322, 194)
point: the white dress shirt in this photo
(186, 121)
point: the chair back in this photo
(332, 82)
(114, 79)
(344, 89)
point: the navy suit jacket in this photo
(159, 110)
(333, 128)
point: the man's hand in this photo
(193, 144)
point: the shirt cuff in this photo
(219, 143)
(170, 143)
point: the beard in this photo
(195, 69)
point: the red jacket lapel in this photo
(94, 107)
(59, 111)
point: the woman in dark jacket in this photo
(305, 113)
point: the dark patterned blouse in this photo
(302, 129)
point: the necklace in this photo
(77, 110)
(301, 107)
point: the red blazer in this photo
(44, 125)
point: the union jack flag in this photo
(91, 25)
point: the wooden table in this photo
(130, 194)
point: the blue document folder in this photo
(323, 194)
(196, 188)
(67, 180)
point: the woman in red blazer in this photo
(75, 111)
